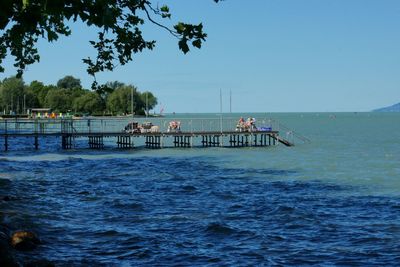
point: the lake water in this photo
(334, 201)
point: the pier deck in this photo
(101, 133)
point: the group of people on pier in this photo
(148, 127)
(246, 125)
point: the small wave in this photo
(219, 229)
(135, 252)
(135, 206)
(133, 240)
(107, 233)
(189, 188)
(236, 207)
(126, 205)
(283, 209)
(224, 195)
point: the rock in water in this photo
(6, 257)
(24, 240)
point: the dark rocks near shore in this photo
(7, 258)
(24, 240)
(15, 244)
(19, 241)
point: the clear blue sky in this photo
(274, 55)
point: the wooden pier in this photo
(100, 134)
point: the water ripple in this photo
(175, 211)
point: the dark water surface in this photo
(214, 207)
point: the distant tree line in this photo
(115, 98)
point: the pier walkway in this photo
(99, 133)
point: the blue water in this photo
(335, 201)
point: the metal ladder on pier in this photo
(282, 140)
(290, 135)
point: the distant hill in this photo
(394, 108)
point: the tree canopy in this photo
(69, 82)
(12, 94)
(16, 98)
(119, 24)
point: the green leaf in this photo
(51, 36)
(183, 45)
(25, 3)
(164, 9)
(180, 27)
(197, 43)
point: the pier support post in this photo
(153, 141)
(96, 142)
(185, 141)
(263, 140)
(66, 141)
(124, 142)
(188, 141)
(158, 140)
(236, 140)
(251, 139)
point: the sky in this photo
(270, 55)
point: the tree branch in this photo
(173, 33)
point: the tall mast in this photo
(230, 101)
(220, 105)
(147, 104)
(132, 101)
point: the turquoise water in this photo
(360, 149)
(333, 201)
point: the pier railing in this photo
(26, 126)
(114, 125)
